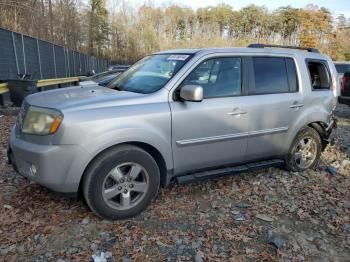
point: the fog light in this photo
(33, 169)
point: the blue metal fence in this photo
(21, 54)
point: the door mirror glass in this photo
(193, 93)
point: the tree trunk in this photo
(91, 24)
(51, 20)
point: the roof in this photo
(190, 51)
(266, 50)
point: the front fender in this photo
(128, 135)
(96, 145)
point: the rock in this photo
(107, 222)
(345, 163)
(319, 259)
(307, 247)
(250, 251)
(346, 227)
(182, 247)
(198, 258)
(160, 243)
(6, 249)
(264, 217)
(99, 258)
(8, 207)
(72, 250)
(235, 212)
(85, 221)
(111, 241)
(321, 245)
(323, 233)
(239, 217)
(38, 239)
(38, 259)
(276, 239)
(48, 254)
(104, 235)
(310, 239)
(93, 247)
(108, 254)
(126, 259)
(178, 242)
(20, 249)
(235, 187)
(144, 238)
(252, 234)
(346, 204)
(196, 244)
(221, 248)
(242, 205)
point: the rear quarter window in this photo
(319, 75)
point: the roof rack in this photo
(309, 49)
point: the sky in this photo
(335, 6)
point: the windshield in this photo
(342, 68)
(150, 74)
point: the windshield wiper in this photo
(116, 87)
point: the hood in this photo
(80, 96)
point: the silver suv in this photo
(186, 114)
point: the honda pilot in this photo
(183, 115)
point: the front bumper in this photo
(57, 167)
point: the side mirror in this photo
(191, 93)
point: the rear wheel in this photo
(305, 151)
(121, 182)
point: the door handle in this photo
(296, 105)
(236, 112)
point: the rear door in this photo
(275, 102)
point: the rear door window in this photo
(319, 75)
(271, 75)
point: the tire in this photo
(121, 182)
(299, 158)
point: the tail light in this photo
(343, 82)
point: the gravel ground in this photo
(270, 215)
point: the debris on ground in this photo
(266, 215)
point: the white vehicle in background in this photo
(342, 67)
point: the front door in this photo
(212, 132)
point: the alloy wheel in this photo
(305, 152)
(125, 186)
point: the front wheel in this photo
(305, 150)
(121, 182)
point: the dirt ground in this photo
(267, 215)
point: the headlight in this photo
(41, 121)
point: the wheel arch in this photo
(152, 150)
(316, 119)
(320, 127)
